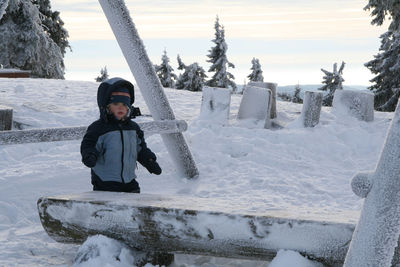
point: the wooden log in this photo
(273, 88)
(75, 133)
(14, 73)
(148, 82)
(256, 104)
(200, 226)
(356, 103)
(6, 117)
(311, 108)
(215, 104)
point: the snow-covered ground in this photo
(294, 168)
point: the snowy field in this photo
(294, 169)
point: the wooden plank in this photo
(75, 133)
(179, 224)
(6, 115)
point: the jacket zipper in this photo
(123, 151)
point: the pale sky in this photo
(293, 39)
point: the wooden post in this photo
(356, 103)
(377, 232)
(215, 104)
(272, 87)
(152, 91)
(256, 104)
(311, 108)
(6, 115)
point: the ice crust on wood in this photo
(377, 231)
(311, 108)
(146, 78)
(76, 133)
(215, 104)
(3, 7)
(192, 225)
(359, 104)
(272, 87)
(256, 104)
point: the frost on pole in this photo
(355, 103)
(215, 104)
(3, 7)
(256, 104)
(377, 232)
(311, 108)
(142, 69)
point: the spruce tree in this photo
(103, 75)
(25, 44)
(53, 24)
(296, 96)
(256, 74)
(217, 57)
(386, 64)
(333, 81)
(193, 77)
(165, 72)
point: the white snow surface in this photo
(292, 169)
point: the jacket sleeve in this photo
(88, 145)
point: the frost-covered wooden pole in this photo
(3, 7)
(376, 234)
(142, 69)
(311, 108)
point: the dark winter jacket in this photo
(111, 147)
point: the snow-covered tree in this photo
(53, 24)
(386, 64)
(26, 45)
(256, 74)
(165, 72)
(192, 78)
(3, 6)
(333, 81)
(217, 57)
(103, 75)
(181, 65)
(296, 96)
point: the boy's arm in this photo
(88, 146)
(145, 156)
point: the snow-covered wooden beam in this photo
(377, 232)
(200, 226)
(75, 133)
(147, 80)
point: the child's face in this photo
(119, 110)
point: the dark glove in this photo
(90, 160)
(153, 167)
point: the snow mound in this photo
(288, 258)
(100, 251)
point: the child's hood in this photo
(107, 87)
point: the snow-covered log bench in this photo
(6, 115)
(200, 226)
(74, 133)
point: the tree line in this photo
(33, 37)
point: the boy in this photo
(113, 143)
